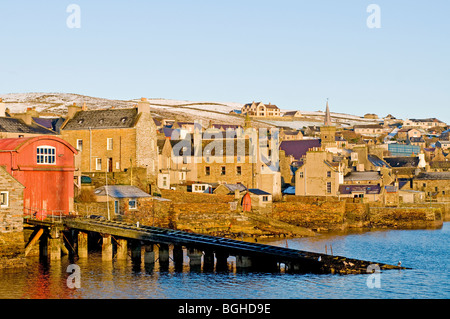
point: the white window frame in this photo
(135, 203)
(109, 144)
(46, 155)
(98, 164)
(79, 145)
(7, 199)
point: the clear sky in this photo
(295, 54)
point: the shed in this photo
(126, 198)
(45, 166)
(229, 189)
(259, 197)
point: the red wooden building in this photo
(45, 166)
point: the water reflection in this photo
(426, 251)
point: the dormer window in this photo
(45, 155)
(80, 121)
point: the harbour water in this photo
(427, 252)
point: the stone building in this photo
(434, 184)
(260, 109)
(174, 169)
(319, 175)
(122, 199)
(369, 129)
(423, 123)
(12, 252)
(290, 135)
(20, 124)
(113, 140)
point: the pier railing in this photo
(54, 216)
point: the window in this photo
(182, 176)
(265, 198)
(329, 174)
(80, 145)
(238, 170)
(132, 203)
(301, 174)
(223, 170)
(109, 144)
(4, 199)
(329, 188)
(207, 170)
(98, 164)
(45, 155)
(164, 182)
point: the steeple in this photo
(327, 121)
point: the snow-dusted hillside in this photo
(217, 112)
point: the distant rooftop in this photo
(362, 176)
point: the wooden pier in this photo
(203, 250)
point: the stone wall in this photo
(319, 215)
(405, 217)
(329, 214)
(12, 250)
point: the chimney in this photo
(2, 108)
(72, 109)
(84, 108)
(143, 106)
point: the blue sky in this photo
(295, 54)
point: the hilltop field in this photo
(51, 104)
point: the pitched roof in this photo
(434, 176)
(402, 161)
(233, 187)
(258, 191)
(120, 191)
(367, 189)
(13, 125)
(101, 119)
(298, 148)
(376, 161)
(362, 176)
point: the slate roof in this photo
(53, 124)
(440, 164)
(121, 191)
(233, 187)
(13, 125)
(402, 161)
(376, 161)
(298, 148)
(362, 176)
(434, 176)
(367, 189)
(258, 191)
(102, 119)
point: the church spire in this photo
(327, 121)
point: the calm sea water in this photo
(426, 251)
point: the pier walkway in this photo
(213, 250)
